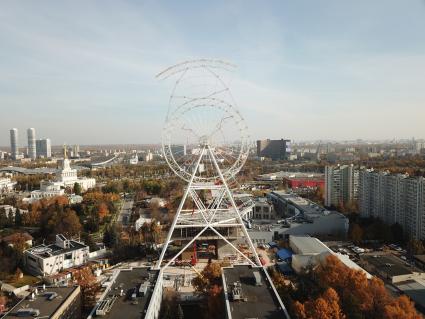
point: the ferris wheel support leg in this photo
(229, 194)
(183, 200)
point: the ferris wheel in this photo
(202, 115)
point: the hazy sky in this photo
(84, 71)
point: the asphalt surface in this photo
(125, 212)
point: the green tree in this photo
(3, 218)
(18, 218)
(77, 189)
(110, 236)
(88, 240)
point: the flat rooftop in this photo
(415, 290)
(125, 297)
(258, 301)
(295, 175)
(42, 303)
(388, 264)
(308, 245)
(304, 205)
(45, 251)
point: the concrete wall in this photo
(155, 303)
(71, 307)
(224, 249)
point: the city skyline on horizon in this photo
(22, 142)
(305, 71)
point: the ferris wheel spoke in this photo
(202, 113)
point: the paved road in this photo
(125, 212)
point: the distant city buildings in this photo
(44, 148)
(6, 185)
(66, 177)
(134, 160)
(394, 198)
(76, 151)
(14, 146)
(341, 185)
(274, 149)
(148, 157)
(32, 153)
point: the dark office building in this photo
(274, 149)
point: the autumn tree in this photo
(66, 223)
(401, 308)
(89, 287)
(327, 306)
(210, 275)
(102, 210)
(359, 297)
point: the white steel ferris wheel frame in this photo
(216, 215)
(211, 217)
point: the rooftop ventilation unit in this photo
(236, 292)
(62, 242)
(257, 278)
(50, 295)
(105, 306)
(27, 312)
(143, 289)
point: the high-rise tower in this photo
(14, 147)
(32, 153)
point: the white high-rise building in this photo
(44, 148)
(76, 151)
(394, 198)
(341, 184)
(32, 153)
(14, 146)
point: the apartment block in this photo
(341, 184)
(394, 198)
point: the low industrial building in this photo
(250, 293)
(263, 209)
(47, 260)
(304, 217)
(415, 289)
(391, 268)
(309, 252)
(128, 294)
(48, 302)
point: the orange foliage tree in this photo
(347, 293)
(102, 210)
